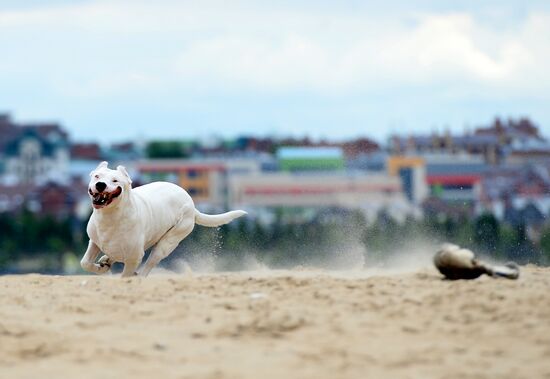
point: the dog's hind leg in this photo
(167, 244)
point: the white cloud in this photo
(438, 48)
(290, 66)
(265, 48)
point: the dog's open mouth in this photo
(102, 199)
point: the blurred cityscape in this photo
(487, 188)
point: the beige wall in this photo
(315, 189)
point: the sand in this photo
(268, 324)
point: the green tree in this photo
(166, 149)
(545, 245)
(28, 231)
(487, 232)
(8, 241)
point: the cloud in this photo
(439, 47)
(264, 48)
(288, 65)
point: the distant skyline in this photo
(119, 69)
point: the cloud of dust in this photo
(416, 255)
(345, 252)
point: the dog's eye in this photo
(115, 181)
(97, 176)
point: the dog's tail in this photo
(216, 220)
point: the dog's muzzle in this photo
(102, 199)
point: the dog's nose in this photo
(100, 186)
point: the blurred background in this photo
(350, 132)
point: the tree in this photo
(8, 242)
(487, 232)
(166, 149)
(522, 250)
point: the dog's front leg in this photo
(89, 258)
(130, 268)
(131, 263)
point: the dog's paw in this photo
(101, 270)
(105, 261)
(104, 264)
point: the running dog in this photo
(127, 221)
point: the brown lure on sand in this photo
(456, 263)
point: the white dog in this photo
(127, 221)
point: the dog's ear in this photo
(123, 171)
(103, 164)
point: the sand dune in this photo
(299, 324)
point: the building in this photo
(368, 192)
(412, 172)
(54, 199)
(513, 141)
(13, 198)
(124, 151)
(203, 180)
(294, 158)
(359, 147)
(244, 183)
(455, 178)
(84, 158)
(528, 152)
(506, 190)
(33, 153)
(487, 147)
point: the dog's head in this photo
(107, 186)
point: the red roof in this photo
(178, 167)
(317, 190)
(453, 180)
(90, 151)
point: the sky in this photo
(130, 69)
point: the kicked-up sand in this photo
(275, 324)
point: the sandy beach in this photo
(275, 324)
